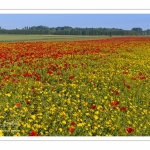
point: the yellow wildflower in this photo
(1, 133)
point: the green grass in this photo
(17, 38)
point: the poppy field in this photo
(75, 88)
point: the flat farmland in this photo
(17, 38)
(75, 87)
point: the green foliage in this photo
(137, 30)
(66, 30)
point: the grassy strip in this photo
(17, 38)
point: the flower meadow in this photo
(75, 88)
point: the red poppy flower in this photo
(18, 105)
(25, 74)
(117, 93)
(60, 80)
(53, 88)
(38, 78)
(34, 92)
(71, 129)
(112, 91)
(125, 72)
(49, 72)
(71, 77)
(142, 77)
(133, 78)
(92, 106)
(123, 108)
(128, 86)
(33, 133)
(130, 130)
(73, 123)
(30, 75)
(14, 75)
(140, 73)
(115, 103)
(13, 79)
(27, 101)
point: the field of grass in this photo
(15, 38)
(75, 88)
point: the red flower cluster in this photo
(133, 78)
(53, 88)
(112, 91)
(27, 101)
(73, 123)
(18, 105)
(34, 92)
(33, 133)
(123, 108)
(142, 77)
(71, 129)
(92, 106)
(128, 86)
(117, 93)
(115, 103)
(130, 130)
(71, 77)
(60, 80)
(2, 85)
(36, 75)
(125, 72)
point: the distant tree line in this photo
(74, 31)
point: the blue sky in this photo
(123, 21)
